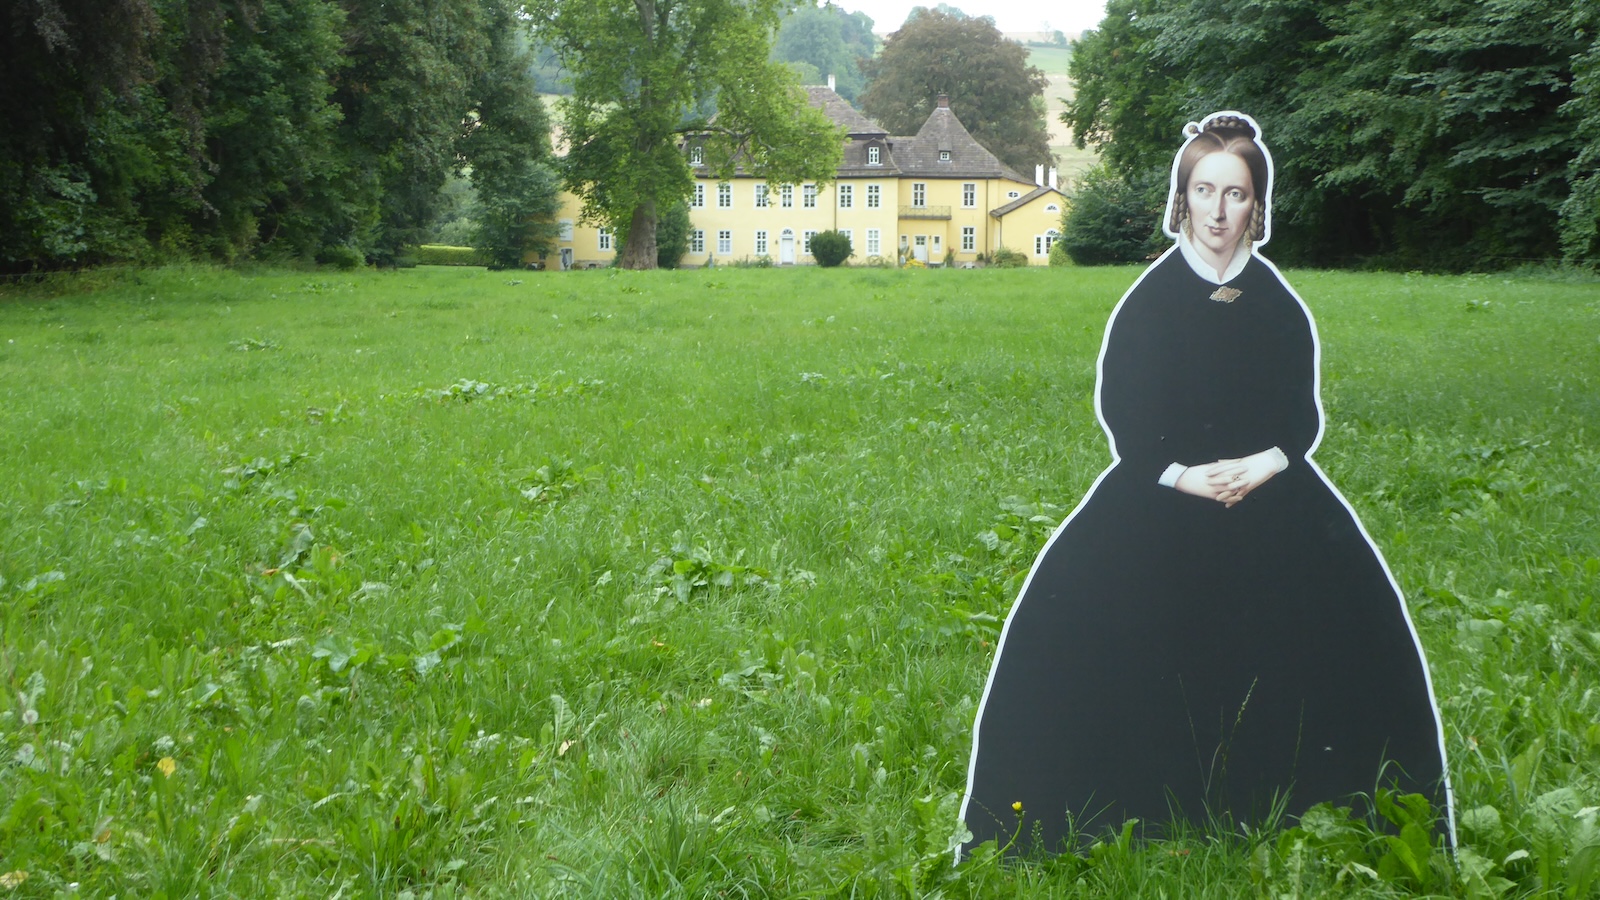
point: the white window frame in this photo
(1013, 195)
(969, 195)
(874, 196)
(808, 196)
(969, 238)
(919, 194)
(938, 247)
(1043, 242)
(874, 241)
(725, 242)
(698, 200)
(805, 246)
(874, 155)
(786, 196)
(697, 156)
(850, 235)
(605, 239)
(724, 195)
(697, 241)
(761, 242)
(762, 199)
(944, 156)
(847, 196)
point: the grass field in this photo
(454, 583)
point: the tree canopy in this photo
(143, 130)
(1448, 134)
(648, 75)
(825, 40)
(993, 90)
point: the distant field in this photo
(453, 583)
(1053, 60)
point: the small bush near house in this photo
(1059, 255)
(830, 248)
(441, 255)
(1006, 258)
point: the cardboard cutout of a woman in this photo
(1210, 637)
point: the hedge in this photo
(442, 255)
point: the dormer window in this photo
(874, 155)
(1012, 195)
(944, 156)
(697, 156)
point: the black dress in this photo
(1171, 658)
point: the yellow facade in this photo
(938, 198)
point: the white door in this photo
(921, 242)
(786, 248)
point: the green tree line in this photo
(1444, 134)
(147, 130)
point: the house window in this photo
(697, 156)
(847, 196)
(850, 236)
(566, 230)
(938, 244)
(761, 243)
(1052, 208)
(698, 201)
(808, 196)
(969, 237)
(874, 155)
(874, 196)
(724, 196)
(1042, 243)
(697, 241)
(874, 241)
(944, 156)
(919, 194)
(806, 246)
(605, 239)
(1012, 195)
(969, 194)
(786, 196)
(761, 196)
(724, 242)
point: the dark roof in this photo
(1024, 200)
(944, 133)
(842, 113)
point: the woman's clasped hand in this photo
(1228, 481)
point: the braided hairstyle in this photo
(1222, 133)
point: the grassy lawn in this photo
(604, 584)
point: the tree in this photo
(825, 40)
(1110, 220)
(507, 145)
(648, 74)
(991, 86)
(672, 235)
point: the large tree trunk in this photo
(640, 250)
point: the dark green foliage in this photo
(506, 144)
(830, 248)
(672, 235)
(341, 256)
(825, 40)
(1449, 135)
(991, 86)
(1110, 220)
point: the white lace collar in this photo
(1204, 269)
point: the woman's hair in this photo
(1222, 133)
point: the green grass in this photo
(1052, 60)
(605, 584)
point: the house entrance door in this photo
(921, 243)
(786, 248)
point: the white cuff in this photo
(1170, 477)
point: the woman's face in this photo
(1221, 198)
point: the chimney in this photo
(1038, 175)
(1053, 180)
(944, 100)
(831, 85)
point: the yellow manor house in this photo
(939, 197)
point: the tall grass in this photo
(457, 583)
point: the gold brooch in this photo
(1226, 294)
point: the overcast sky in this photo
(1009, 15)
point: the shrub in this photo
(1113, 220)
(441, 255)
(1058, 255)
(672, 235)
(1006, 258)
(830, 248)
(342, 256)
